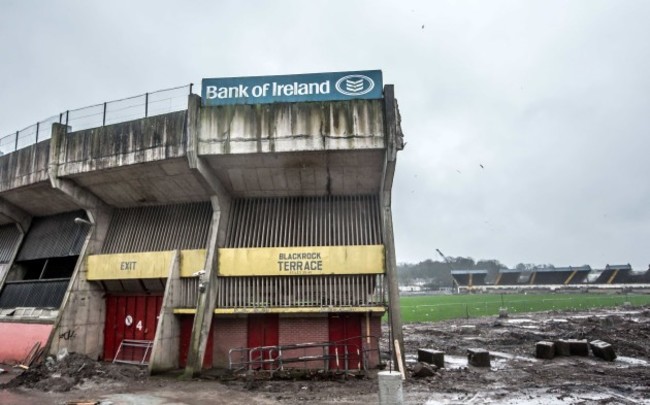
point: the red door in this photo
(187, 322)
(263, 330)
(130, 317)
(345, 333)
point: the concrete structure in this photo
(207, 230)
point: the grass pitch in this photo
(427, 308)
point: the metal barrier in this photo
(95, 116)
(132, 346)
(340, 353)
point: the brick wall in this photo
(228, 333)
(304, 330)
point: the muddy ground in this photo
(515, 376)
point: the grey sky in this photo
(551, 97)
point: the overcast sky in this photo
(552, 98)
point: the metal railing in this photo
(95, 116)
(342, 355)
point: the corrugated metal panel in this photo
(54, 236)
(305, 221)
(9, 236)
(298, 291)
(42, 293)
(159, 228)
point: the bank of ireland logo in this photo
(355, 85)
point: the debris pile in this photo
(71, 370)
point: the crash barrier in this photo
(329, 356)
(98, 115)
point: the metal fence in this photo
(95, 116)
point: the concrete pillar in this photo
(166, 345)
(393, 144)
(220, 199)
(82, 311)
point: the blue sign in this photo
(365, 84)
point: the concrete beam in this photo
(22, 218)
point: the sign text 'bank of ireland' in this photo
(293, 88)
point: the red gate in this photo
(187, 322)
(130, 317)
(345, 333)
(263, 330)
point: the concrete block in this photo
(562, 347)
(603, 350)
(468, 329)
(478, 357)
(435, 357)
(545, 350)
(579, 347)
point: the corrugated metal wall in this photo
(305, 221)
(54, 236)
(159, 228)
(301, 291)
(9, 236)
(42, 294)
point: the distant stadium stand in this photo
(508, 277)
(559, 275)
(469, 278)
(615, 274)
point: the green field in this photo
(429, 308)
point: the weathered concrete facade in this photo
(243, 153)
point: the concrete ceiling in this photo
(244, 175)
(300, 173)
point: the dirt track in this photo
(515, 376)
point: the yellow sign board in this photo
(294, 261)
(121, 266)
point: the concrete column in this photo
(393, 144)
(220, 199)
(81, 315)
(165, 352)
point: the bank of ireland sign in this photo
(365, 84)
